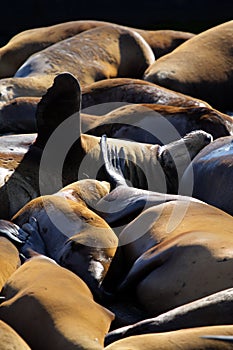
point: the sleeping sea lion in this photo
(200, 338)
(214, 309)
(97, 96)
(200, 67)
(43, 298)
(69, 232)
(166, 248)
(30, 41)
(152, 123)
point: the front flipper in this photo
(113, 162)
(12, 231)
(33, 240)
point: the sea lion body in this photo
(10, 340)
(56, 303)
(28, 42)
(214, 309)
(183, 339)
(213, 166)
(105, 95)
(166, 259)
(157, 124)
(200, 67)
(68, 230)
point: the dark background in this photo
(186, 15)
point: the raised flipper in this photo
(113, 162)
(62, 100)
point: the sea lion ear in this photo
(61, 100)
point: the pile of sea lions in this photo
(115, 188)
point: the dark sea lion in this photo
(19, 115)
(212, 174)
(213, 310)
(28, 42)
(10, 340)
(52, 301)
(97, 96)
(183, 339)
(167, 247)
(206, 75)
(47, 165)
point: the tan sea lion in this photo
(47, 165)
(213, 166)
(26, 43)
(184, 339)
(200, 67)
(158, 124)
(167, 247)
(9, 258)
(97, 96)
(214, 310)
(69, 232)
(10, 340)
(93, 55)
(42, 298)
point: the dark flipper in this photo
(12, 231)
(61, 100)
(113, 162)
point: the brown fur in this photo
(52, 301)
(93, 55)
(184, 339)
(200, 67)
(28, 42)
(167, 247)
(10, 340)
(9, 260)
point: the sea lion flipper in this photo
(11, 231)
(61, 100)
(226, 338)
(112, 163)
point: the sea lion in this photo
(47, 165)
(93, 55)
(45, 298)
(183, 339)
(18, 116)
(206, 75)
(30, 41)
(69, 232)
(10, 340)
(158, 124)
(97, 96)
(212, 310)
(213, 166)
(166, 248)
(9, 258)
